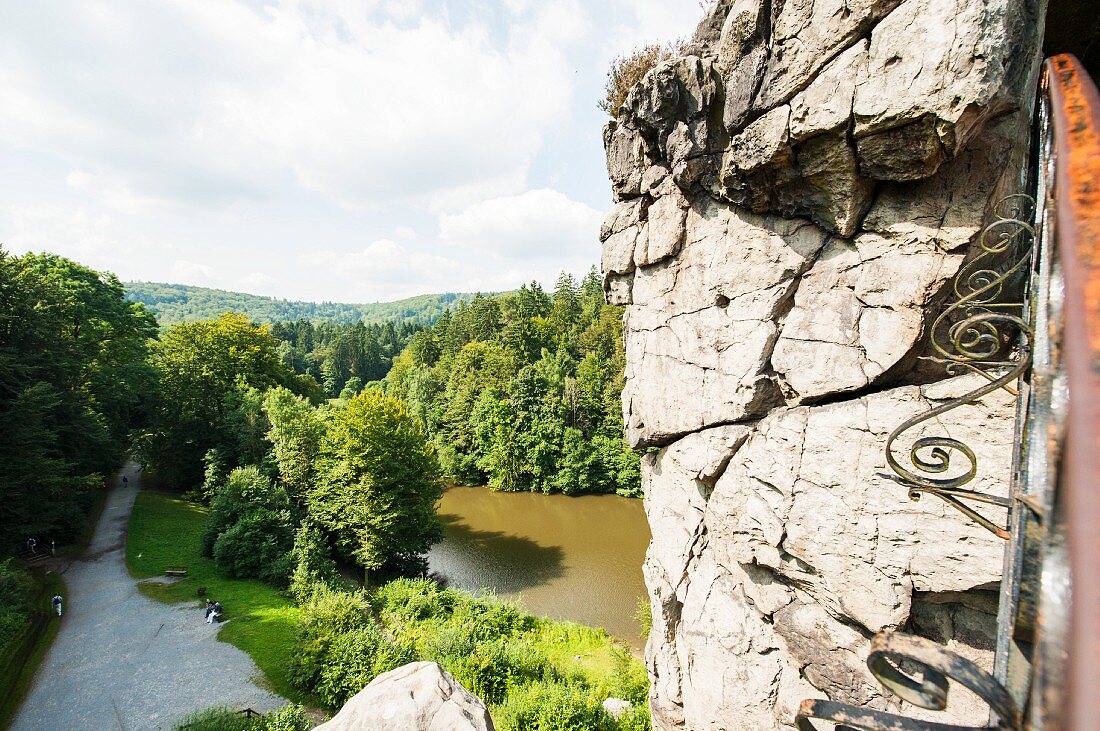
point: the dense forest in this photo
(74, 383)
(173, 303)
(520, 391)
(340, 356)
(75, 380)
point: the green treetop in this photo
(377, 485)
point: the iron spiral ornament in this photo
(982, 331)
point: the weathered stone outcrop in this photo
(420, 696)
(794, 196)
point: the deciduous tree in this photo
(377, 485)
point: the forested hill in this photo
(173, 303)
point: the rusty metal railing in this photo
(1069, 614)
(1047, 663)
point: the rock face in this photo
(420, 696)
(794, 196)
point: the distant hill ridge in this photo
(173, 303)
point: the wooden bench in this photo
(176, 571)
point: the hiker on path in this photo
(57, 603)
(125, 482)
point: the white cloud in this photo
(82, 233)
(538, 223)
(215, 141)
(651, 21)
(385, 269)
(110, 190)
(256, 282)
(190, 272)
(208, 101)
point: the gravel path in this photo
(124, 661)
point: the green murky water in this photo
(574, 558)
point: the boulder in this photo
(420, 696)
(616, 707)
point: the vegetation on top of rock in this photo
(173, 303)
(630, 68)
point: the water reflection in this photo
(511, 563)
(577, 558)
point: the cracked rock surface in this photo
(793, 197)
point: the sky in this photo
(325, 150)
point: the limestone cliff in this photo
(794, 196)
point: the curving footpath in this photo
(124, 661)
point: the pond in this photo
(574, 558)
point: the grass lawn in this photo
(166, 531)
(577, 648)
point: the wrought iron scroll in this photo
(983, 331)
(925, 687)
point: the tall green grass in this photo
(534, 674)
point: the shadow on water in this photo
(576, 558)
(502, 562)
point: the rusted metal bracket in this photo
(925, 687)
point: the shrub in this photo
(356, 658)
(552, 707)
(410, 599)
(488, 618)
(290, 717)
(636, 718)
(490, 670)
(312, 564)
(643, 614)
(219, 718)
(256, 546)
(628, 69)
(629, 679)
(327, 614)
(523, 667)
(250, 530)
(245, 490)
(15, 584)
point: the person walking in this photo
(57, 603)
